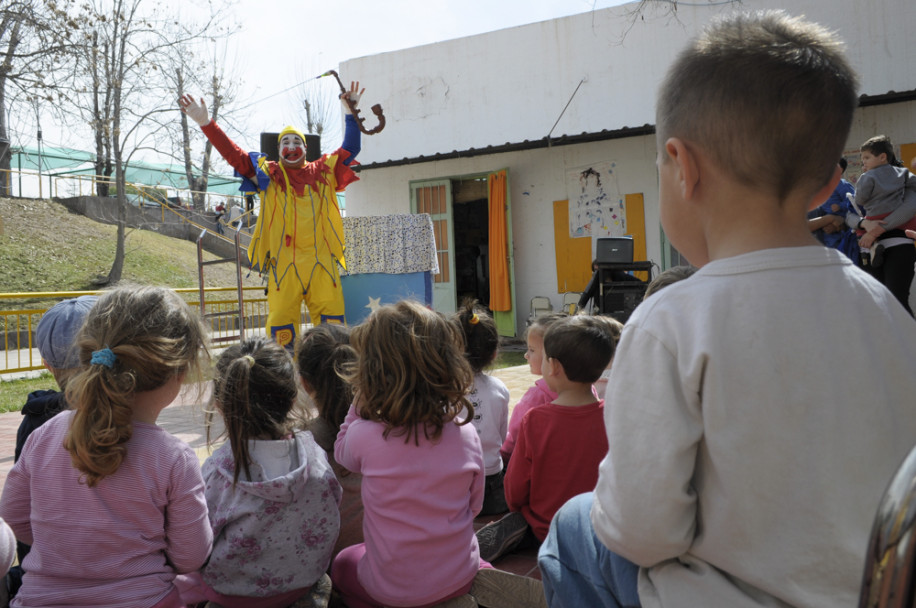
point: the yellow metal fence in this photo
(18, 325)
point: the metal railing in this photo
(17, 325)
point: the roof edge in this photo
(546, 142)
(888, 98)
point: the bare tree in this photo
(120, 88)
(35, 36)
(221, 91)
(321, 107)
(664, 9)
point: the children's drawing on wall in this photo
(854, 167)
(596, 206)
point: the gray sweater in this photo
(886, 190)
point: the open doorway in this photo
(471, 233)
(471, 220)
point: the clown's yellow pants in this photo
(323, 297)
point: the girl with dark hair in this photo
(271, 493)
(490, 399)
(324, 356)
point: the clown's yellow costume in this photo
(298, 238)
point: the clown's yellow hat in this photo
(291, 131)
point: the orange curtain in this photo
(500, 294)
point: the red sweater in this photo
(556, 457)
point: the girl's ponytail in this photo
(255, 389)
(325, 358)
(135, 339)
(481, 338)
(100, 428)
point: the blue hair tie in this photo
(103, 357)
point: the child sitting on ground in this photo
(887, 194)
(559, 444)
(490, 399)
(614, 327)
(271, 494)
(422, 468)
(112, 505)
(54, 338)
(537, 395)
(742, 468)
(324, 356)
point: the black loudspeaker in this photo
(271, 147)
(621, 300)
(614, 250)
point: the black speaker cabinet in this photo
(271, 147)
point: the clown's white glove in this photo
(353, 95)
(197, 111)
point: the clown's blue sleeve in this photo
(352, 138)
(250, 186)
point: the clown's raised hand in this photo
(353, 95)
(197, 111)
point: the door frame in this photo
(506, 327)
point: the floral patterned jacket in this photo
(271, 536)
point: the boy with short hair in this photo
(887, 194)
(743, 469)
(560, 443)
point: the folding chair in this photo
(540, 306)
(571, 302)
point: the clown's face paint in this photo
(292, 149)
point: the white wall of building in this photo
(511, 85)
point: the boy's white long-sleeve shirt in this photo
(750, 441)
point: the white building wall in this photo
(511, 85)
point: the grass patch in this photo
(14, 392)
(44, 247)
(509, 359)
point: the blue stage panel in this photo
(365, 292)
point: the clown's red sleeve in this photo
(343, 174)
(229, 150)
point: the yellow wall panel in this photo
(907, 154)
(636, 227)
(574, 255)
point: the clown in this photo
(298, 238)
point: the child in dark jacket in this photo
(54, 338)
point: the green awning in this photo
(67, 161)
